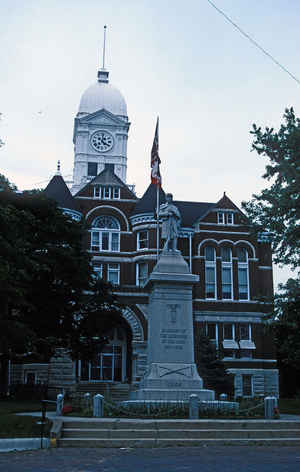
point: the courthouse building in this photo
(234, 267)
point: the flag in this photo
(155, 160)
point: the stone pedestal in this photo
(171, 370)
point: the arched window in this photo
(105, 234)
(210, 272)
(226, 256)
(243, 273)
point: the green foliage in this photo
(277, 208)
(285, 327)
(211, 367)
(48, 296)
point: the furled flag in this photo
(155, 160)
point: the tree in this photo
(277, 208)
(211, 366)
(285, 327)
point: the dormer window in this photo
(106, 192)
(225, 218)
(116, 193)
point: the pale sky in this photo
(179, 60)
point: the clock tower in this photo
(100, 132)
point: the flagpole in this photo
(157, 224)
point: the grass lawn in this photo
(289, 406)
(13, 426)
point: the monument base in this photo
(171, 381)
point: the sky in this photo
(180, 60)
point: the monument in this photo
(171, 370)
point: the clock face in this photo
(102, 141)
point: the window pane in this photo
(226, 254)
(221, 217)
(105, 241)
(247, 385)
(209, 253)
(98, 271)
(243, 283)
(210, 286)
(211, 330)
(92, 169)
(115, 242)
(113, 274)
(97, 192)
(230, 218)
(226, 275)
(106, 222)
(142, 239)
(228, 331)
(106, 192)
(116, 192)
(242, 254)
(210, 275)
(244, 331)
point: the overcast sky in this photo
(180, 60)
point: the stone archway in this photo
(135, 324)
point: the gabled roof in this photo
(58, 191)
(107, 177)
(192, 211)
(226, 203)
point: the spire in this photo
(103, 73)
(58, 168)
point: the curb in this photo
(23, 444)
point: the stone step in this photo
(135, 424)
(143, 443)
(182, 434)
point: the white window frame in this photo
(211, 265)
(249, 332)
(244, 266)
(225, 217)
(116, 193)
(98, 247)
(97, 191)
(139, 280)
(139, 240)
(232, 331)
(98, 271)
(221, 217)
(113, 270)
(113, 234)
(227, 265)
(106, 192)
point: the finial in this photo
(58, 168)
(102, 73)
(104, 41)
(224, 195)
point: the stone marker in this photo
(87, 400)
(194, 407)
(59, 404)
(98, 406)
(270, 405)
(171, 370)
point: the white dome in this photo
(103, 95)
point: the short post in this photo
(59, 404)
(98, 406)
(194, 407)
(223, 397)
(87, 401)
(270, 405)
